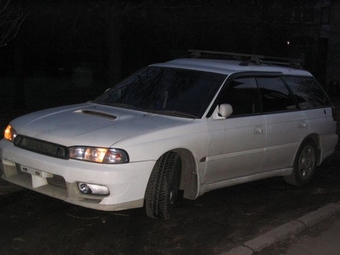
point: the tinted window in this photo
(307, 92)
(242, 94)
(167, 91)
(274, 95)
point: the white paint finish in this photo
(225, 151)
(235, 148)
(228, 66)
(283, 137)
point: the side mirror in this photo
(222, 111)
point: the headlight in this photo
(10, 133)
(99, 155)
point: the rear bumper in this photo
(328, 144)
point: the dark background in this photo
(68, 51)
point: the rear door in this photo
(286, 124)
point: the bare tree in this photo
(11, 19)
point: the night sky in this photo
(68, 51)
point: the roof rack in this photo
(246, 59)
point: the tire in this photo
(163, 186)
(304, 164)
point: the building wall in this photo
(333, 58)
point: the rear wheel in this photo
(163, 187)
(304, 164)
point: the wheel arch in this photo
(189, 178)
(316, 139)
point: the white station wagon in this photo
(193, 124)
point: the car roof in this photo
(229, 66)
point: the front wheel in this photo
(304, 164)
(163, 186)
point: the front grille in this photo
(42, 147)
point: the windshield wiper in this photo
(174, 113)
(121, 105)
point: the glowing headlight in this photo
(10, 133)
(99, 155)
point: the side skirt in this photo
(231, 182)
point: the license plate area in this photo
(35, 172)
(39, 178)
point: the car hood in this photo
(91, 124)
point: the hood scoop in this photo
(97, 113)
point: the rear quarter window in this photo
(307, 92)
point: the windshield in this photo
(169, 91)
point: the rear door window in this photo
(275, 96)
(307, 92)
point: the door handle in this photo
(258, 130)
(303, 124)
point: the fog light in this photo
(93, 189)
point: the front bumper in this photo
(58, 178)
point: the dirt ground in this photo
(31, 223)
(36, 224)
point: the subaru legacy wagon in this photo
(186, 126)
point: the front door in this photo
(236, 143)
